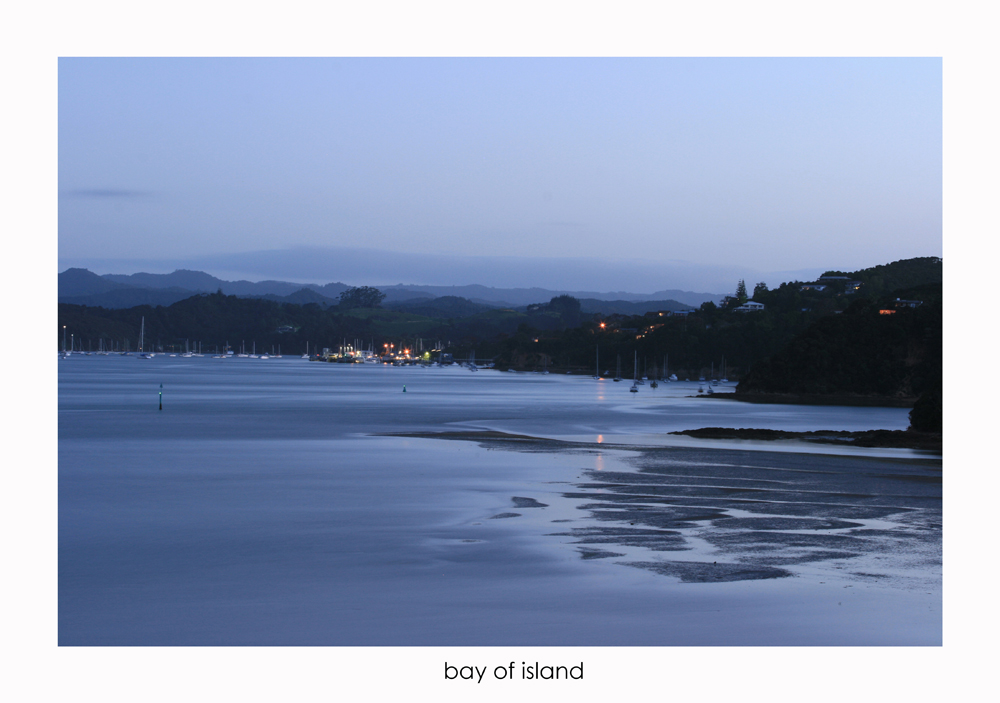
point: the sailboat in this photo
(671, 377)
(724, 379)
(142, 334)
(306, 355)
(635, 375)
(597, 363)
(653, 383)
(618, 370)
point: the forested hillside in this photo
(873, 348)
(815, 338)
(215, 320)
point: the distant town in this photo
(801, 338)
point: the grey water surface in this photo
(263, 506)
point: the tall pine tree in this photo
(741, 292)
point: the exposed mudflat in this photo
(470, 435)
(704, 572)
(527, 503)
(732, 515)
(299, 520)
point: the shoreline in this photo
(874, 439)
(858, 401)
(775, 525)
(894, 439)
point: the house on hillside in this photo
(850, 286)
(812, 286)
(908, 303)
(749, 306)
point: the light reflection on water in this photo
(256, 508)
(368, 397)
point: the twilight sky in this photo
(582, 174)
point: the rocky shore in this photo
(897, 439)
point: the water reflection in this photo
(260, 506)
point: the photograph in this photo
(514, 352)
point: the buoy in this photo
(161, 396)
(404, 388)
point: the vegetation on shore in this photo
(874, 348)
(829, 340)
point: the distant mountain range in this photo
(518, 297)
(83, 287)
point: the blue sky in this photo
(635, 174)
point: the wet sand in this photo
(285, 522)
(706, 516)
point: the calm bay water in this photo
(260, 507)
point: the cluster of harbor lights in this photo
(403, 354)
